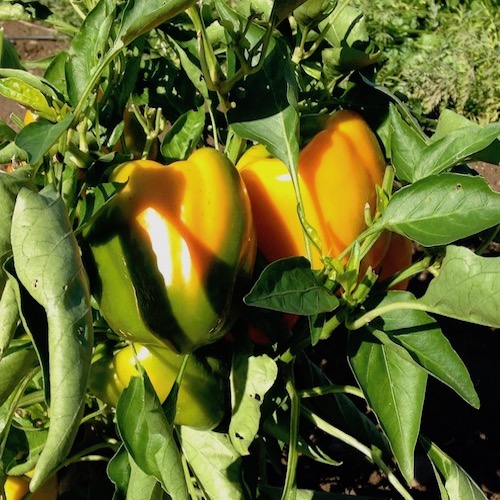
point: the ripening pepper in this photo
(201, 397)
(338, 171)
(397, 258)
(17, 488)
(173, 251)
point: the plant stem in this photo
(354, 443)
(293, 455)
(379, 311)
(323, 390)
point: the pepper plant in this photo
(157, 81)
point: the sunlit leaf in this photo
(441, 209)
(422, 337)
(215, 462)
(457, 482)
(251, 378)
(289, 285)
(38, 137)
(148, 437)
(466, 288)
(48, 263)
(394, 388)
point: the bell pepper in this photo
(17, 488)
(397, 258)
(337, 172)
(201, 397)
(173, 251)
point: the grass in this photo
(439, 54)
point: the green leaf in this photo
(10, 185)
(441, 209)
(148, 437)
(142, 486)
(341, 60)
(9, 315)
(337, 408)
(87, 48)
(394, 388)
(454, 148)
(251, 378)
(55, 74)
(130, 480)
(345, 26)
(215, 463)
(265, 107)
(13, 12)
(283, 8)
(290, 285)
(312, 12)
(184, 136)
(34, 320)
(448, 122)
(118, 471)
(26, 95)
(6, 133)
(48, 264)
(12, 151)
(458, 483)
(13, 368)
(30, 81)
(9, 58)
(406, 145)
(141, 17)
(95, 201)
(467, 288)
(191, 69)
(37, 138)
(422, 337)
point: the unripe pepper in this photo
(201, 397)
(173, 251)
(338, 171)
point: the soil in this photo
(471, 437)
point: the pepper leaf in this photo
(265, 107)
(475, 282)
(130, 480)
(141, 17)
(13, 367)
(422, 337)
(48, 264)
(441, 209)
(9, 315)
(214, 461)
(38, 137)
(454, 148)
(251, 378)
(290, 286)
(394, 387)
(458, 483)
(87, 48)
(406, 145)
(185, 134)
(148, 437)
(26, 95)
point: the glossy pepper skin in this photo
(201, 396)
(17, 487)
(172, 253)
(338, 171)
(397, 258)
